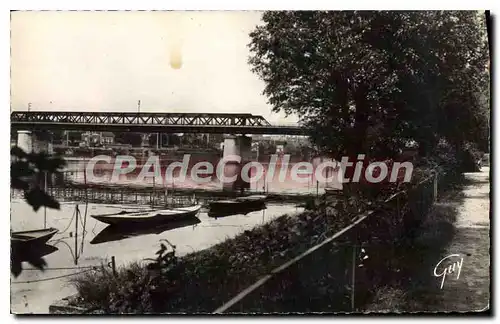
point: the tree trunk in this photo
(357, 142)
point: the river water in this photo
(279, 177)
(91, 243)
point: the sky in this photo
(108, 61)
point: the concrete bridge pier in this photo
(25, 141)
(37, 142)
(236, 146)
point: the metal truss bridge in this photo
(149, 122)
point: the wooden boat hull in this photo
(117, 233)
(32, 238)
(334, 192)
(238, 204)
(239, 211)
(154, 217)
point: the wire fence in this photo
(339, 273)
(158, 196)
(56, 277)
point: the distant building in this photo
(107, 138)
(281, 139)
(95, 138)
(89, 139)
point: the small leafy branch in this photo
(27, 172)
(165, 261)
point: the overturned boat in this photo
(149, 217)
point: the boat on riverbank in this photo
(149, 217)
(117, 233)
(237, 204)
(334, 191)
(238, 211)
(32, 238)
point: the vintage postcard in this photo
(255, 162)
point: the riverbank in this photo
(459, 224)
(201, 282)
(92, 244)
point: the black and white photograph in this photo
(250, 162)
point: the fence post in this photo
(435, 186)
(45, 207)
(154, 191)
(113, 265)
(353, 276)
(76, 234)
(398, 208)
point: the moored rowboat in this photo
(33, 237)
(238, 203)
(334, 191)
(117, 233)
(154, 216)
(237, 211)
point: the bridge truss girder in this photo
(149, 122)
(165, 119)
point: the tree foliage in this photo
(369, 82)
(134, 139)
(27, 173)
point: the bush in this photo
(101, 289)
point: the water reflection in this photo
(278, 177)
(77, 229)
(115, 233)
(78, 237)
(25, 254)
(32, 254)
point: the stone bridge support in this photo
(25, 141)
(236, 146)
(35, 142)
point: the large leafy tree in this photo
(368, 82)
